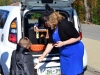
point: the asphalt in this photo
(93, 52)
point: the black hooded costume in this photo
(21, 62)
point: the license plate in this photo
(53, 71)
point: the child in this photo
(25, 42)
(21, 63)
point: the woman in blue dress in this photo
(67, 39)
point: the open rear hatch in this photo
(41, 3)
(32, 6)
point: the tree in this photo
(87, 12)
(79, 6)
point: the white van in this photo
(17, 22)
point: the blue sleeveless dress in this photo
(71, 56)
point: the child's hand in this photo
(36, 61)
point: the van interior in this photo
(31, 19)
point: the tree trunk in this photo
(87, 13)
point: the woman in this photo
(67, 39)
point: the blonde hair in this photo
(54, 18)
(25, 42)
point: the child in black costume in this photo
(21, 61)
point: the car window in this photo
(3, 17)
(34, 16)
(31, 18)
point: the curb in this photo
(91, 69)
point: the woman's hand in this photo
(59, 44)
(41, 58)
(47, 50)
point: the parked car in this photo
(18, 21)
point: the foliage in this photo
(96, 13)
(94, 6)
(78, 5)
(5, 2)
(35, 15)
(1, 2)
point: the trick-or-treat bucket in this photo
(37, 47)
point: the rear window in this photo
(3, 17)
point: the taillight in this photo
(12, 38)
(80, 30)
(80, 33)
(13, 31)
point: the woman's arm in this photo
(71, 40)
(47, 50)
(73, 34)
(66, 42)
